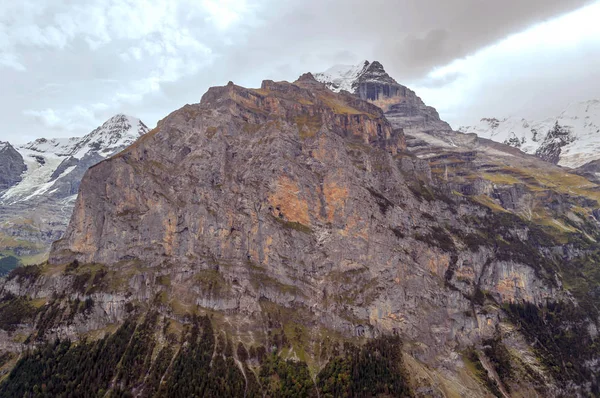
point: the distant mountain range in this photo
(570, 139)
(39, 182)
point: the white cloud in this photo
(71, 120)
(138, 45)
(514, 76)
(224, 13)
(68, 65)
(10, 60)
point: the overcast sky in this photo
(68, 65)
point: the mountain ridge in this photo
(304, 224)
(369, 81)
(570, 139)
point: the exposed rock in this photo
(294, 209)
(403, 108)
(12, 166)
(555, 140)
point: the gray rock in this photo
(12, 166)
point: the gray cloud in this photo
(66, 66)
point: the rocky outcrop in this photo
(12, 166)
(402, 107)
(551, 147)
(294, 210)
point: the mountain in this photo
(11, 164)
(370, 81)
(288, 241)
(39, 183)
(570, 139)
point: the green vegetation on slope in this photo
(131, 361)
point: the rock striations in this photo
(295, 218)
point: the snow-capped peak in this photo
(571, 139)
(50, 161)
(117, 132)
(342, 77)
(351, 77)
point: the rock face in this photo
(12, 166)
(403, 108)
(570, 139)
(41, 181)
(287, 117)
(294, 211)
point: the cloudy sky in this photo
(67, 65)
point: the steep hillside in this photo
(40, 181)
(290, 222)
(570, 139)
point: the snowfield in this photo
(581, 120)
(44, 156)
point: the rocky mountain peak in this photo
(118, 131)
(12, 166)
(571, 138)
(375, 72)
(293, 216)
(308, 78)
(369, 81)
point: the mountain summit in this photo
(353, 79)
(39, 182)
(283, 241)
(370, 81)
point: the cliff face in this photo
(12, 166)
(217, 150)
(294, 211)
(402, 107)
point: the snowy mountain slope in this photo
(571, 139)
(39, 183)
(403, 108)
(50, 161)
(342, 77)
